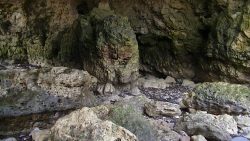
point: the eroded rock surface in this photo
(84, 124)
(206, 40)
(35, 90)
(220, 97)
(203, 39)
(110, 49)
(157, 108)
(217, 128)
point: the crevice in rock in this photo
(83, 8)
(205, 32)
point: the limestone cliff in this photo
(206, 40)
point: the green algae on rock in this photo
(109, 47)
(220, 97)
(205, 40)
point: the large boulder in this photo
(216, 128)
(109, 46)
(84, 124)
(220, 97)
(25, 91)
(37, 96)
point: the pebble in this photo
(198, 138)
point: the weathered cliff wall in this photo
(206, 40)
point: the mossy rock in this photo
(108, 47)
(221, 97)
(130, 119)
(13, 53)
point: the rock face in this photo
(84, 125)
(217, 128)
(110, 48)
(34, 90)
(203, 39)
(220, 97)
(102, 43)
(166, 31)
(28, 32)
(206, 40)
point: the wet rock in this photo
(212, 127)
(220, 97)
(84, 124)
(198, 138)
(157, 108)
